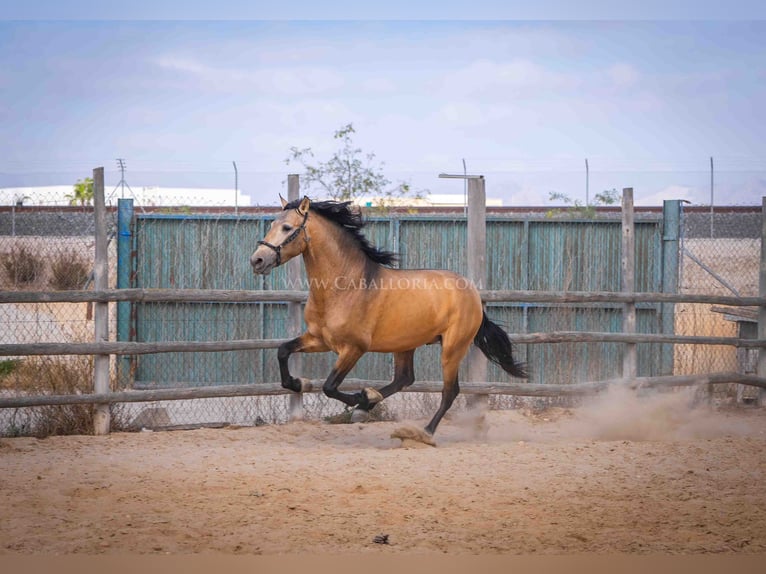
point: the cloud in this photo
(501, 79)
(463, 114)
(379, 85)
(527, 196)
(284, 81)
(670, 192)
(523, 40)
(623, 75)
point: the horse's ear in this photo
(303, 208)
(283, 200)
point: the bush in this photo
(69, 271)
(22, 266)
(7, 366)
(64, 376)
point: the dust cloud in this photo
(623, 414)
(619, 413)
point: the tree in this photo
(350, 174)
(82, 193)
(577, 209)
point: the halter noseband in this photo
(290, 238)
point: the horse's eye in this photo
(286, 227)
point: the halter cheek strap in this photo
(290, 238)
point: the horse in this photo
(359, 303)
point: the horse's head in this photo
(287, 238)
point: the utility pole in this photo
(465, 189)
(122, 184)
(236, 187)
(121, 165)
(712, 202)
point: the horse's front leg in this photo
(306, 343)
(347, 358)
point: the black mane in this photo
(352, 223)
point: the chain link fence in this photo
(49, 246)
(720, 255)
(46, 248)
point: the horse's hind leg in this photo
(306, 343)
(451, 357)
(404, 376)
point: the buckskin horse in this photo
(359, 303)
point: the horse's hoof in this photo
(373, 396)
(306, 386)
(409, 435)
(360, 416)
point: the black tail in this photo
(496, 345)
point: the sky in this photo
(523, 100)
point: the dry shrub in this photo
(69, 271)
(22, 266)
(62, 376)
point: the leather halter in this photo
(290, 238)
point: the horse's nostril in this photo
(256, 261)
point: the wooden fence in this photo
(102, 349)
(106, 348)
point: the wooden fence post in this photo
(761, 366)
(101, 418)
(476, 252)
(628, 283)
(294, 308)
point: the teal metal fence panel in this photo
(212, 252)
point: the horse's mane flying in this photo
(352, 222)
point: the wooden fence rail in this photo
(242, 296)
(134, 348)
(468, 388)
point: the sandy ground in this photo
(621, 475)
